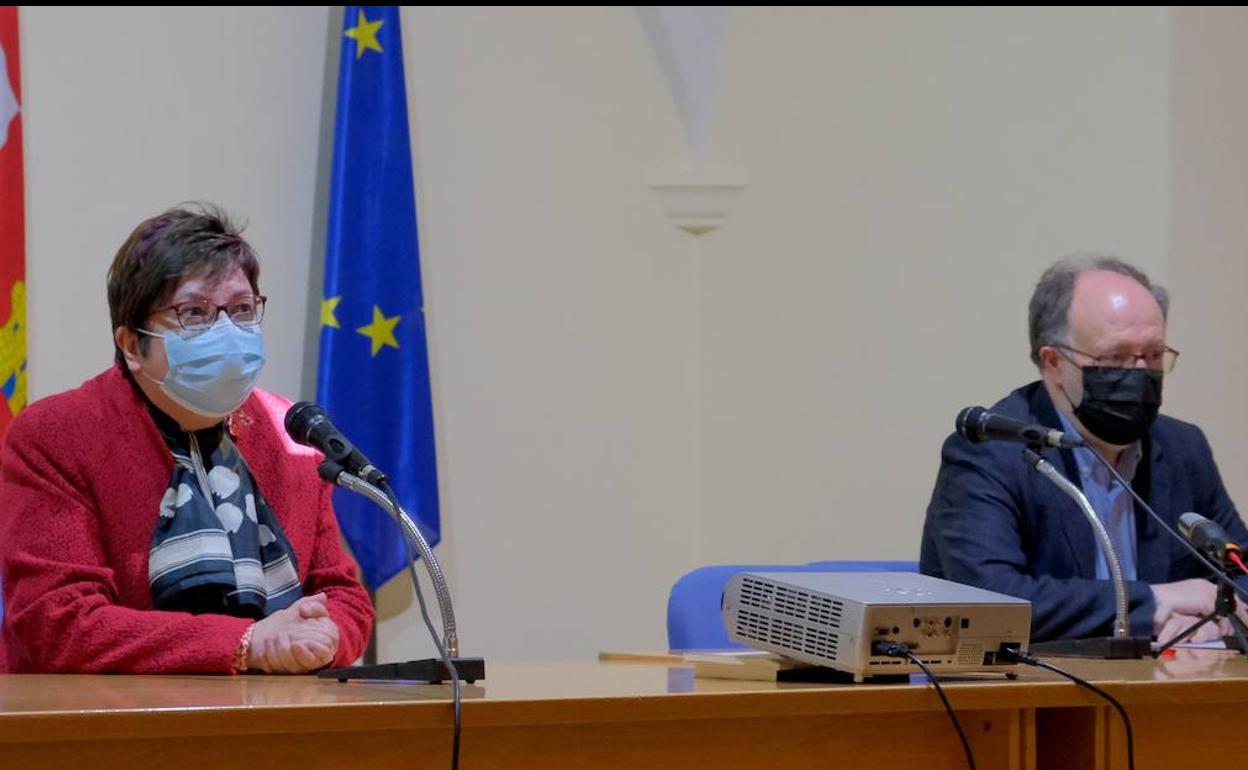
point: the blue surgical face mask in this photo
(213, 372)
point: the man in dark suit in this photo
(1098, 336)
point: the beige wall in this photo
(563, 328)
(911, 173)
(1209, 231)
(616, 401)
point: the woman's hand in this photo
(294, 640)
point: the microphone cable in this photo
(1213, 569)
(437, 640)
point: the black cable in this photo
(1213, 568)
(437, 639)
(897, 650)
(1025, 657)
(446, 661)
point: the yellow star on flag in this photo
(381, 331)
(328, 306)
(364, 33)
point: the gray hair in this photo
(1048, 314)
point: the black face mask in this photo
(1119, 405)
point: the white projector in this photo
(832, 618)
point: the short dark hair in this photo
(190, 240)
(1048, 314)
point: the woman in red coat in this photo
(157, 519)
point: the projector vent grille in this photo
(970, 654)
(785, 635)
(793, 603)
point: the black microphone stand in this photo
(1224, 607)
(1227, 588)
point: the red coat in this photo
(81, 478)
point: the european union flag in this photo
(374, 369)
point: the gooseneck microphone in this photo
(1203, 538)
(976, 424)
(348, 468)
(1122, 618)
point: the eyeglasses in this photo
(1160, 360)
(198, 315)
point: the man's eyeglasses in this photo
(1160, 360)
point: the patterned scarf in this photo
(217, 546)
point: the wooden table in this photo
(1187, 712)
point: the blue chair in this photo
(693, 620)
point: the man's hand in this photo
(1177, 624)
(1189, 599)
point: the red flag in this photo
(12, 226)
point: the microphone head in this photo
(968, 423)
(1188, 523)
(301, 418)
(1207, 535)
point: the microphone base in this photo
(429, 670)
(1099, 647)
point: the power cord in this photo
(1012, 654)
(896, 650)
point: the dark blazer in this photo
(995, 523)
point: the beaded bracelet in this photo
(243, 651)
